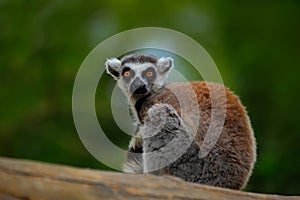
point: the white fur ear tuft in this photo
(113, 67)
(164, 64)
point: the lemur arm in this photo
(166, 140)
(133, 163)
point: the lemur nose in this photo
(138, 87)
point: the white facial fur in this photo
(138, 69)
(162, 68)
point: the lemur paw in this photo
(157, 117)
(159, 113)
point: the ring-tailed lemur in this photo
(162, 131)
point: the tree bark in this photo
(24, 180)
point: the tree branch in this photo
(24, 180)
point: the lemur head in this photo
(139, 74)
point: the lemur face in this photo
(138, 74)
(137, 78)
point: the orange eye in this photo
(126, 74)
(149, 74)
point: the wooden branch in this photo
(24, 180)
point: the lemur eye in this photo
(149, 74)
(127, 74)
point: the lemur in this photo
(162, 132)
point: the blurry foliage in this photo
(255, 44)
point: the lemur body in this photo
(160, 122)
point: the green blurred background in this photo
(255, 44)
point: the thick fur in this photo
(170, 137)
(230, 162)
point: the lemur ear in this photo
(164, 64)
(113, 67)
